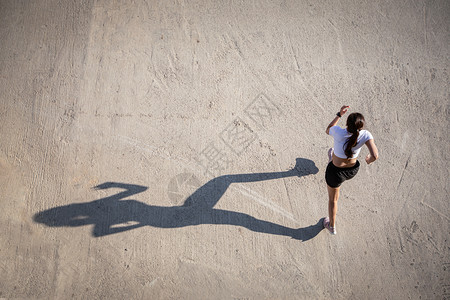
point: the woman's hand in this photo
(370, 159)
(344, 109)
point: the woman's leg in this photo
(333, 195)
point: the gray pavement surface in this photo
(177, 149)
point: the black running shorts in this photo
(335, 176)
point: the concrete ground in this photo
(177, 149)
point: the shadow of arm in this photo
(101, 230)
(130, 189)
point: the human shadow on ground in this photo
(111, 214)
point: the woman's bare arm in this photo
(333, 123)
(373, 155)
(336, 119)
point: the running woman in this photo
(343, 164)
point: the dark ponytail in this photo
(355, 122)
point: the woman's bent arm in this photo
(333, 123)
(373, 156)
(342, 111)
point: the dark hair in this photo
(355, 122)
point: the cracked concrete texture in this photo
(166, 150)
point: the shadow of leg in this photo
(306, 233)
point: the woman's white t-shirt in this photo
(341, 135)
